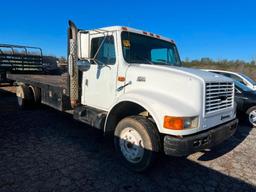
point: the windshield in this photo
(144, 49)
(241, 86)
(248, 79)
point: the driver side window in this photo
(103, 50)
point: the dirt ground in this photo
(45, 150)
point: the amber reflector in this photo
(174, 123)
(121, 78)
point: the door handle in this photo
(121, 87)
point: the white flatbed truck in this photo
(130, 83)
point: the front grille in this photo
(218, 96)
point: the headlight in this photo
(190, 122)
(180, 123)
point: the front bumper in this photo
(186, 145)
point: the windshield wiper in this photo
(163, 62)
(145, 59)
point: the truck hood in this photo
(185, 86)
(183, 71)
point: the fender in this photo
(158, 105)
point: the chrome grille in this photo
(218, 96)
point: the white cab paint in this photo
(99, 83)
(173, 91)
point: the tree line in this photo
(248, 68)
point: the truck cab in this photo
(137, 73)
(131, 84)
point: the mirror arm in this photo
(106, 65)
(95, 55)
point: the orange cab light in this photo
(121, 78)
(174, 123)
(124, 28)
(157, 36)
(145, 33)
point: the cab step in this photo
(94, 117)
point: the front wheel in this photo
(252, 115)
(137, 142)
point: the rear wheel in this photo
(24, 96)
(252, 116)
(36, 94)
(137, 142)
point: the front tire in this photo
(137, 142)
(252, 115)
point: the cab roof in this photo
(133, 30)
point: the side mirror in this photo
(83, 45)
(83, 65)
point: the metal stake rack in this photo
(20, 59)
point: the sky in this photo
(201, 28)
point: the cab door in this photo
(99, 81)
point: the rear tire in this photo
(36, 94)
(251, 115)
(137, 142)
(24, 96)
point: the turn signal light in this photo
(121, 78)
(174, 123)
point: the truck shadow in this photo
(8, 100)
(187, 175)
(240, 135)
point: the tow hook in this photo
(202, 141)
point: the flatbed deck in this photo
(54, 89)
(53, 80)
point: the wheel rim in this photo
(252, 117)
(131, 145)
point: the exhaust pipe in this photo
(72, 66)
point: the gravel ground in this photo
(45, 150)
